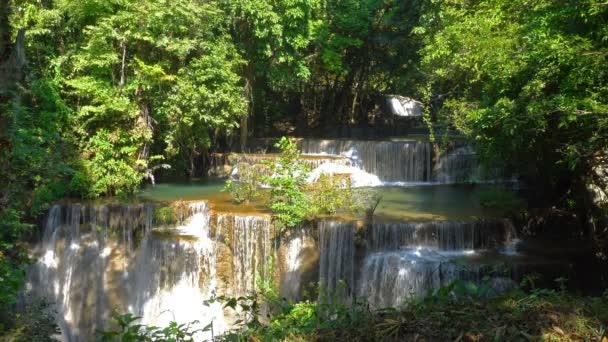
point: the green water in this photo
(433, 203)
(416, 203)
(186, 191)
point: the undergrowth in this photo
(462, 311)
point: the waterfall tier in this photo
(389, 279)
(442, 235)
(247, 241)
(403, 161)
(336, 264)
(100, 258)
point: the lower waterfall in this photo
(442, 235)
(250, 244)
(388, 279)
(337, 256)
(173, 276)
(100, 258)
(94, 259)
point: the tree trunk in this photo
(123, 65)
(248, 93)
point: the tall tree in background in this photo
(141, 77)
(526, 81)
(274, 38)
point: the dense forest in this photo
(99, 96)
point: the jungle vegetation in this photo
(97, 95)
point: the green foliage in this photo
(12, 276)
(207, 95)
(109, 167)
(34, 323)
(524, 82)
(165, 215)
(330, 194)
(141, 82)
(129, 331)
(247, 187)
(287, 181)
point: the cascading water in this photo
(390, 161)
(389, 279)
(100, 258)
(441, 235)
(173, 275)
(408, 259)
(403, 162)
(250, 242)
(84, 249)
(299, 258)
(337, 257)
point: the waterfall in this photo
(337, 254)
(228, 165)
(75, 270)
(408, 259)
(389, 279)
(292, 278)
(441, 235)
(299, 257)
(173, 276)
(457, 166)
(390, 161)
(250, 242)
(99, 258)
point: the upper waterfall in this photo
(402, 161)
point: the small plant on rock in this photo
(247, 187)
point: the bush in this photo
(165, 215)
(128, 331)
(330, 194)
(36, 323)
(287, 180)
(247, 187)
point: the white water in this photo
(336, 264)
(249, 239)
(92, 263)
(390, 161)
(441, 235)
(404, 106)
(98, 258)
(389, 279)
(358, 177)
(168, 277)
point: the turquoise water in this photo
(416, 203)
(187, 191)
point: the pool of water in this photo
(414, 203)
(437, 202)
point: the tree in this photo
(525, 81)
(287, 179)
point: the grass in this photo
(518, 315)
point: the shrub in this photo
(247, 187)
(330, 194)
(164, 215)
(287, 180)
